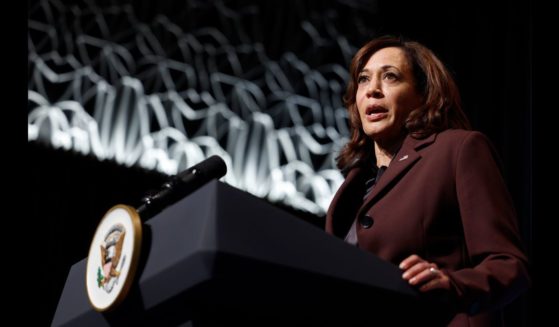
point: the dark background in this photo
(488, 47)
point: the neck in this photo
(385, 151)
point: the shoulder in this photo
(449, 137)
(456, 143)
(467, 146)
(458, 139)
(460, 135)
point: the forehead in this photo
(391, 56)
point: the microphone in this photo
(181, 185)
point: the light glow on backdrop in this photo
(163, 97)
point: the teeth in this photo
(376, 111)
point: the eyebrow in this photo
(383, 68)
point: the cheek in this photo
(358, 102)
(358, 97)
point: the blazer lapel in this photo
(399, 166)
(344, 200)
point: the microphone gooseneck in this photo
(181, 185)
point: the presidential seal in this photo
(113, 257)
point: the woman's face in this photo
(386, 94)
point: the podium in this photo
(223, 257)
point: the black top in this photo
(376, 174)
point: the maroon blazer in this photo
(443, 198)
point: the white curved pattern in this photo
(165, 98)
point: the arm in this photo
(498, 266)
(495, 267)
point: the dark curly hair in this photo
(441, 109)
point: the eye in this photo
(390, 76)
(362, 79)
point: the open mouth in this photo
(375, 113)
(375, 110)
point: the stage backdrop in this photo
(123, 93)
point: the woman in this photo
(421, 190)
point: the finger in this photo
(410, 261)
(416, 269)
(424, 276)
(431, 285)
(440, 281)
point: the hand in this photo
(427, 276)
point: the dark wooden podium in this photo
(222, 257)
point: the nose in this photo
(374, 89)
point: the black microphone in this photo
(181, 185)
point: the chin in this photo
(375, 132)
(378, 134)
